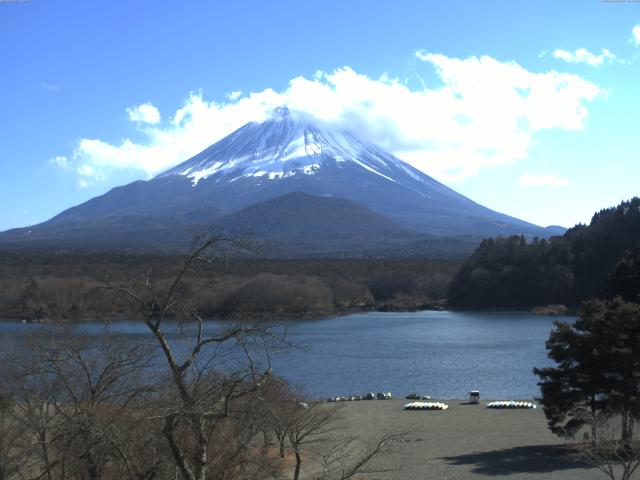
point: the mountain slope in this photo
(297, 223)
(299, 215)
(262, 161)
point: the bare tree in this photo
(280, 404)
(12, 438)
(35, 398)
(203, 388)
(74, 398)
(615, 455)
(100, 384)
(308, 427)
(92, 408)
(315, 431)
(340, 459)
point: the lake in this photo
(442, 354)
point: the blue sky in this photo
(530, 108)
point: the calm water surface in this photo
(443, 354)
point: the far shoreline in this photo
(438, 306)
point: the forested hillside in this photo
(68, 286)
(513, 272)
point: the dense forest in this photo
(66, 286)
(587, 261)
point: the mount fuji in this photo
(289, 179)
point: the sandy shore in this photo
(465, 442)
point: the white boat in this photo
(511, 404)
(426, 406)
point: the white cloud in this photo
(234, 95)
(60, 161)
(542, 180)
(88, 175)
(145, 113)
(582, 55)
(192, 128)
(485, 113)
(635, 34)
(86, 170)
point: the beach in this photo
(466, 441)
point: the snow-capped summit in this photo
(287, 145)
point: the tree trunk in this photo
(201, 448)
(627, 426)
(92, 469)
(296, 474)
(45, 452)
(628, 442)
(178, 455)
(594, 421)
(281, 439)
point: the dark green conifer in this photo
(598, 369)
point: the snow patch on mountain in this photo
(285, 146)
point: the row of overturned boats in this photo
(423, 402)
(501, 404)
(511, 404)
(366, 396)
